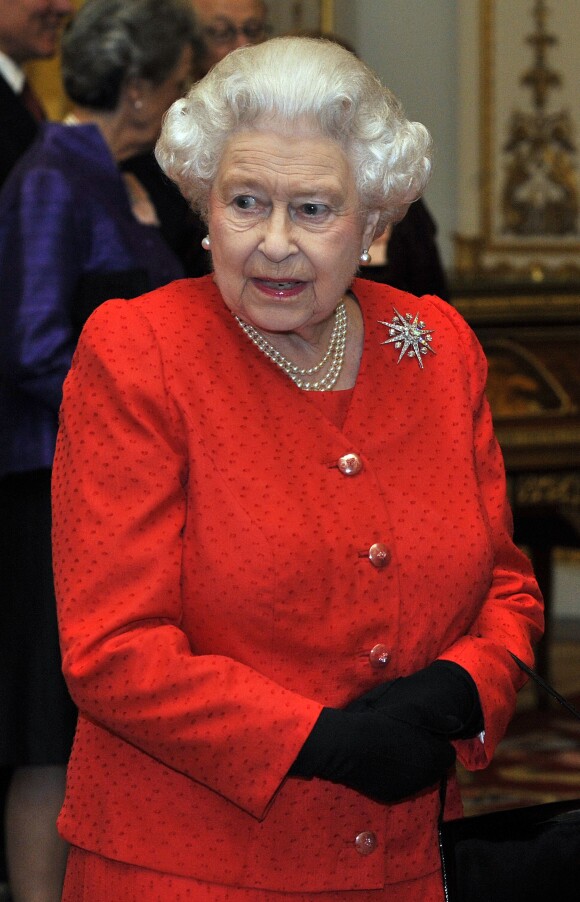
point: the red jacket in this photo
(215, 586)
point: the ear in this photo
(370, 226)
(134, 91)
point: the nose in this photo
(241, 40)
(278, 240)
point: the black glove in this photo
(374, 753)
(442, 697)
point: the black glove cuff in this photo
(463, 692)
(320, 744)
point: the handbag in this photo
(518, 855)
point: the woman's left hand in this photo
(441, 697)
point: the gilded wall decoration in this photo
(540, 185)
(528, 142)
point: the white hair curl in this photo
(282, 81)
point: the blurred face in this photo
(285, 227)
(228, 24)
(30, 29)
(154, 100)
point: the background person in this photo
(29, 30)
(72, 233)
(224, 25)
(228, 24)
(285, 577)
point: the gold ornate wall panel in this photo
(529, 142)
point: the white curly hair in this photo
(280, 82)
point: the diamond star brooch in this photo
(410, 335)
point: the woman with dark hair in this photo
(73, 232)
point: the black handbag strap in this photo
(546, 686)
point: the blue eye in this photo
(313, 209)
(245, 202)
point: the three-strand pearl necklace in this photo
(334, 356)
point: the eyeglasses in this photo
(227, 33)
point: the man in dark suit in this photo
(29, 29)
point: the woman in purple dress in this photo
(73, 232)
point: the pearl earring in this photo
(365, 257)
(138, 104)
(206, 243)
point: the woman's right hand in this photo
(374, 753)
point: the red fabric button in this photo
(350, 464)
(379, 655)
(366, 842)
(379, 555)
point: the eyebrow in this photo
(228, 20)
(247, 183)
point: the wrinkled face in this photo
(285, 227)
(30, 29)
(228, 24)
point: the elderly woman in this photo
(287, 589)
(73, 232)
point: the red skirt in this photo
(91, 878)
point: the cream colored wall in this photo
(468, 126)
(412, 45)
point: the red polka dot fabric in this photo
(91, 877)
(228, 560)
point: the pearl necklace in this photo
(334, 354)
